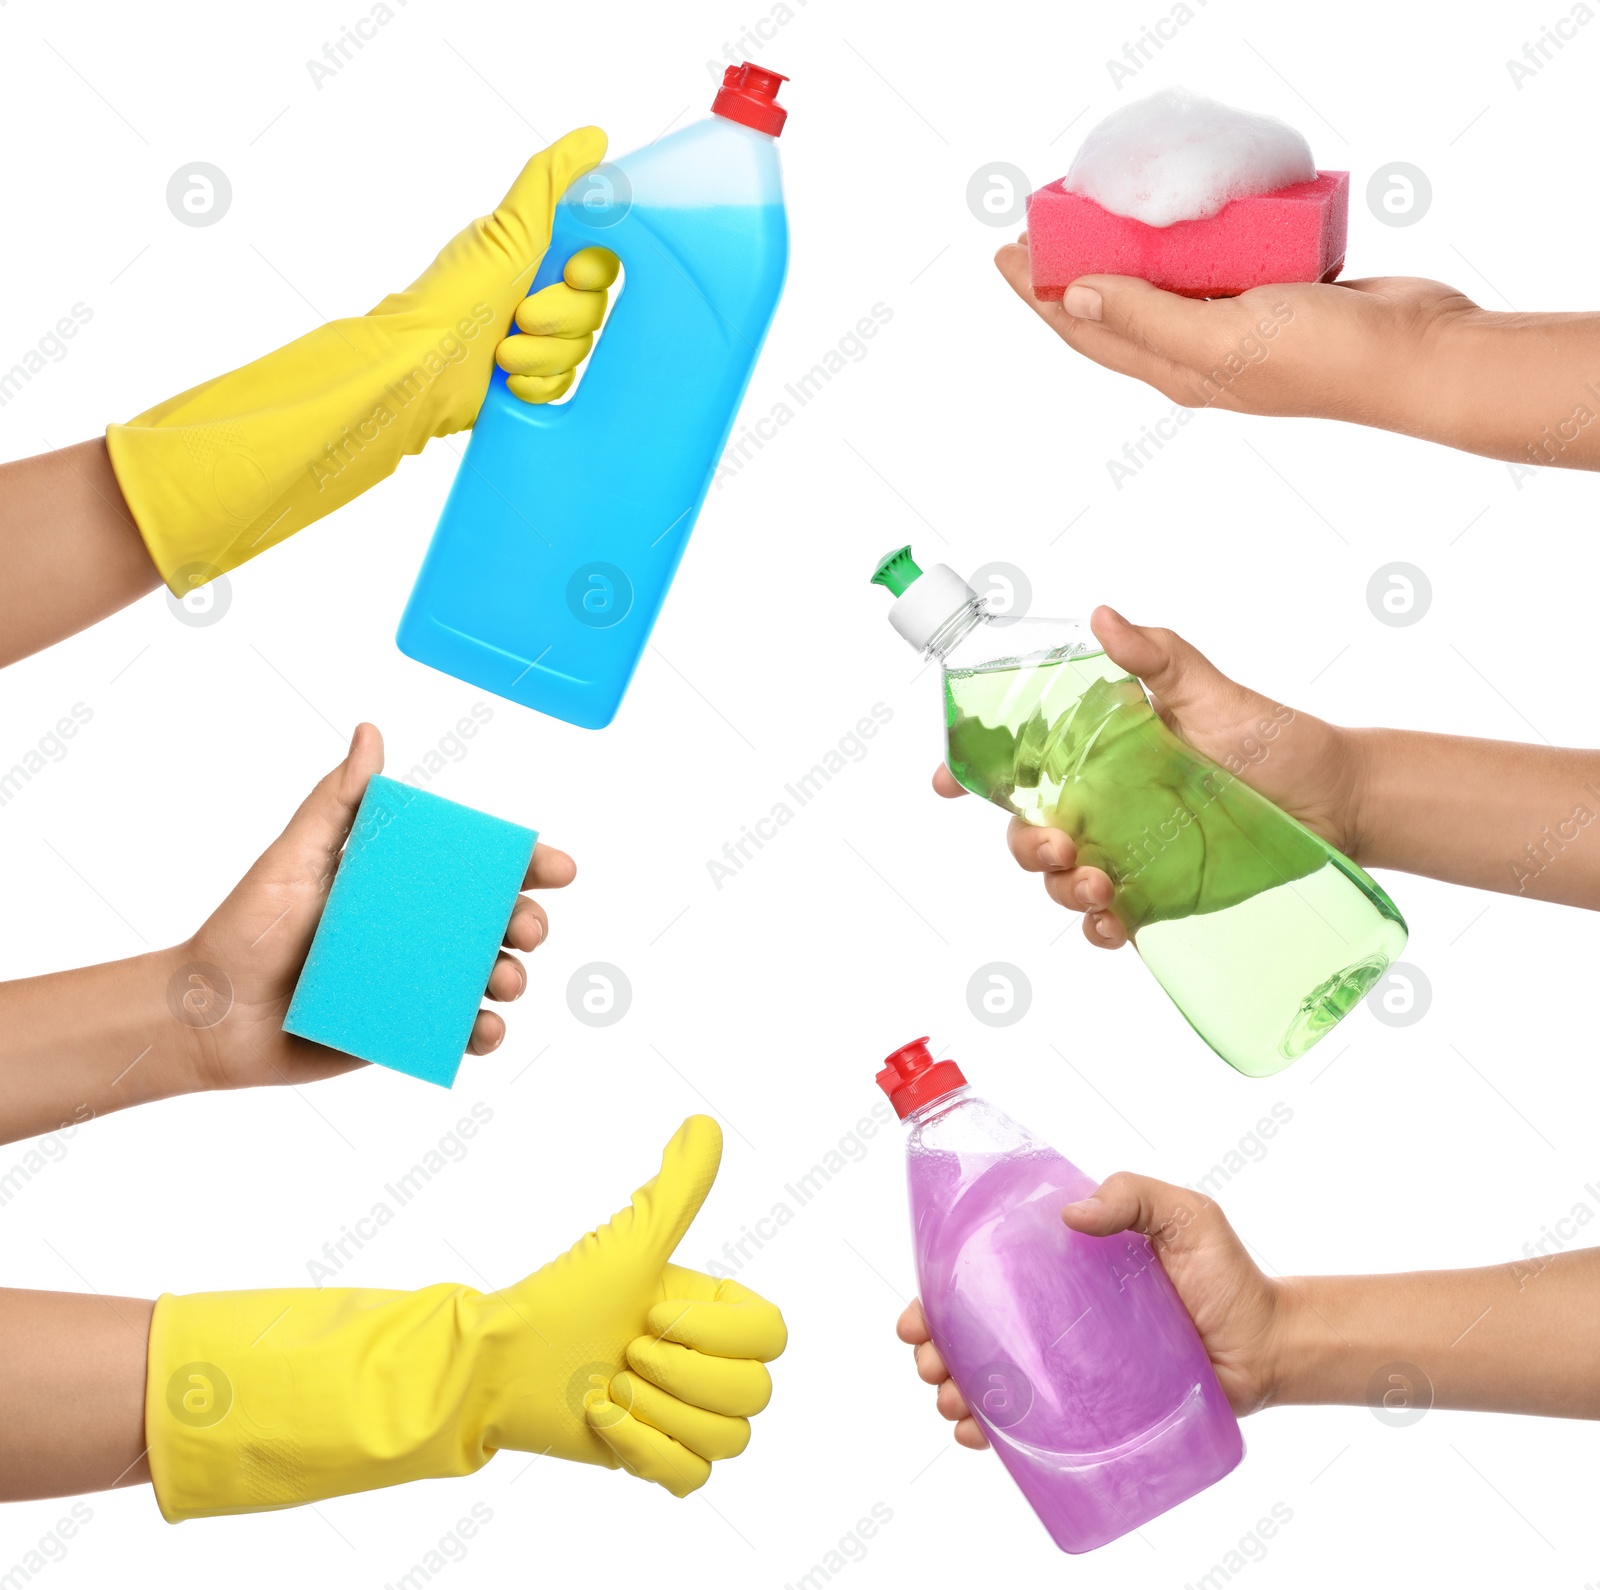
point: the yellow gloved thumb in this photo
(662, 1210)
(648, 1429)
(652, 1433)
(519, 228)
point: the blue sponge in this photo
(409, 935)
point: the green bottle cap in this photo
(897, 570)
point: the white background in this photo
(967, 430)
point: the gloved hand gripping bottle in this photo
(1263, 935)
(567, 521)
(1074, 1353)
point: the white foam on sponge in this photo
(1177, 156)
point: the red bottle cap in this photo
(749, 94)
(912, 1077)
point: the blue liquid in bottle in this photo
(567, 521)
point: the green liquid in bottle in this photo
(1264, 936)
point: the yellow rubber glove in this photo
(608, 1355)
(236, 465)
(559, 323)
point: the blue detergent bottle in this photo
(567, 521)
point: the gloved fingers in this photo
(540, 388)
(643, 1450)
(678, 1280)
(542, 355)
(653, 1224)
(733, 1323)
(739, 1387)
(561, 311)
(592, 269)
(713, 1436)
(521, 221)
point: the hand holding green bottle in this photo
(1261, 933)
(1169, 840)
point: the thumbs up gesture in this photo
(610, 1354)
(671, 1362)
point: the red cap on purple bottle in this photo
(912, 1077)
(749, 94)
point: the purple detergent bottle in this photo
(1074, 1353)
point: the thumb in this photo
(1125, 1202)
(662, 1210)
(1169, 325)
(1178, 675)
(316, 833)
(520, 225)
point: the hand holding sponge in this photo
(412, 927)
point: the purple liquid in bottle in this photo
(1074, 1353)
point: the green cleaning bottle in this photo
(1264, 936)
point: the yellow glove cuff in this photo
(258, 1400)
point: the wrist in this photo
(1335, 1334)
(1426, 366)
(194, 997)
(1294, 1345)
(169, 1060)
(1480, 382)
(1362, 752)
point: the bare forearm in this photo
(1524, 388)
(70, 553)
(83, 1043)
(71, 1393)
(1519, 819)
(1514, 1338)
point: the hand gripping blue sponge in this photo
(414, 921)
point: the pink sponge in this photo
(1294, 234)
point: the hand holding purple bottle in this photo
(1237, 1310)
(1391, 1342)
(1073, 1349)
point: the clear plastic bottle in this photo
(567, 520)
(1074, 1353)
(1264, 936)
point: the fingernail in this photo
(1082, 303)
(1085, 1206)
(1083, 896)
(1103, 927)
